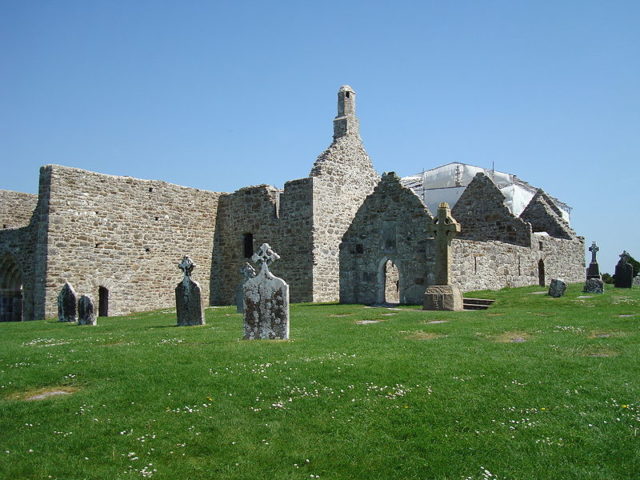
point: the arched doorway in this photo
(541, 278)
(103, 302)
(10, 290)
(391, 283)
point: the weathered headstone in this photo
(623, 277)
(593, 271)
(266, 301)
(86, 311)
(442, 295)
(188, 297)
(247, 272)
(636, 281)
(593, 285)
(557, 288)
(67, 304)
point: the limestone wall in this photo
(124, 234)
(343, 177)
(490, 265)
(391, 225)
(282, 219)
(16, 209)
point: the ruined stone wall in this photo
(124, 234)
(283, 219)
(391, 225)
(343, 177)
(17, 251)
(16, 209)
(491, 265)
(483, 216)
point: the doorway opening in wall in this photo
(541, 279)
(103, 302)
(10, 290)
(391, 283)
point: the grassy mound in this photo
(533, 388)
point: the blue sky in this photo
(223, 94)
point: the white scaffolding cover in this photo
(446, 184)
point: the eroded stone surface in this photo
(593, 285)
(67, 304)
(557, 288)
(189, 297)
(623, 277)
(266, 301)
(86, 311)
(443, 297)
(247, 272)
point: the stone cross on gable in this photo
(444, 228)
(593, 249)
(265, 255)
(187, 266)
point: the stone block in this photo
(443, 297)
(557, 288)
(593, 285)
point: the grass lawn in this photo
(533, 388)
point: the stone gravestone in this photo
(266, 301)
(247, 272)
(188, 297)
(593, 271)
(67, 304)
(442, 295)
(557, 288)
(623, 277)
(593, 285)
(86, 311)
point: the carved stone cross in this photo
(187, 266)
(247, 272)
(593, 249)
(444, 228)
(265, 255)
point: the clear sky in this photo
(223, 94)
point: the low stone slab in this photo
(593, 285)
(557, 288)
(86, 311)
(443, 297)
(67, 304)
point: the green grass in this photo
(534, 388)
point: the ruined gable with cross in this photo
(442, 295)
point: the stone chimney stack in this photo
(346, 122)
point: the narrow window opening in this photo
(475, 264)
(150, 189)
(147, 249)
(540, 245)
(103, 302)
(157, 218)
(248, 245)
(4, 225)
(347, 94)
(359, 248)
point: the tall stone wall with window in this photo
(343, 177)
(123, 234)
(252, 216)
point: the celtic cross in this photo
(187, 266)
(593, 249)
(444, 228)
(265, 255)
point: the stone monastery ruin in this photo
(348, 234)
